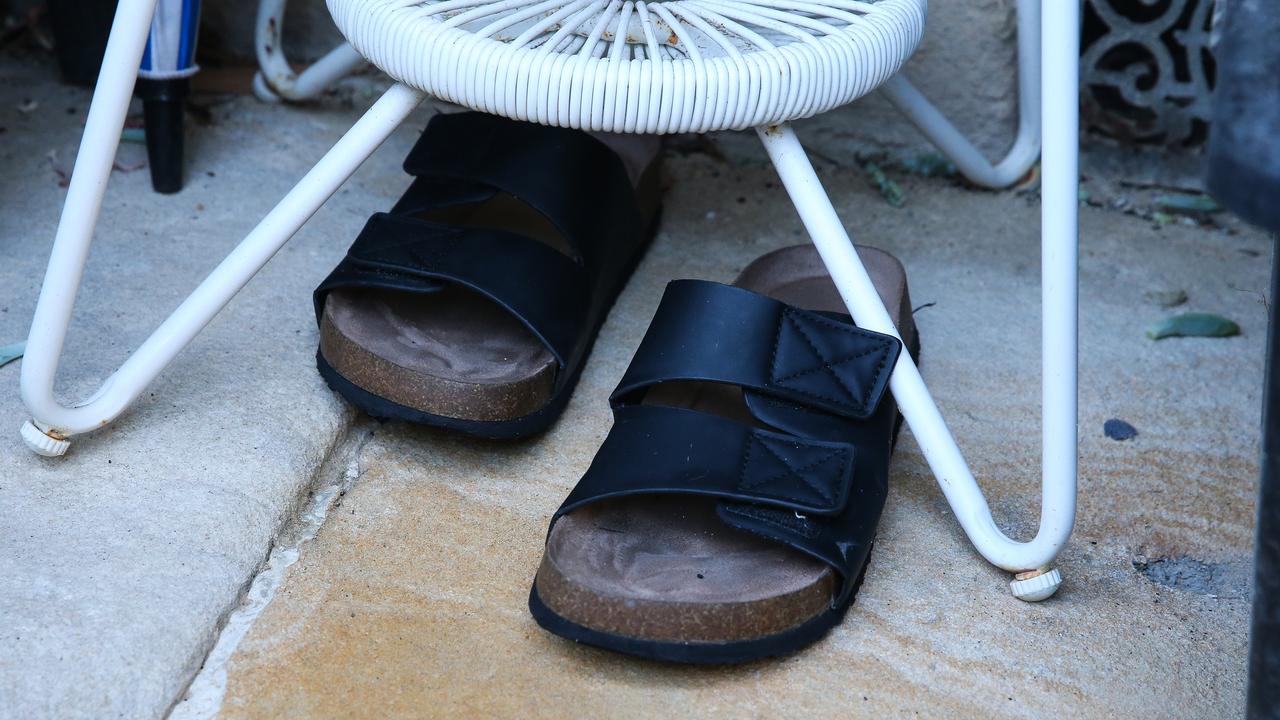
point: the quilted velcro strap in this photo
(541, 287)
(572, 179)
(718, 333)
(664, 450)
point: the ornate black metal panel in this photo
(1147, 70)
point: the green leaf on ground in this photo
(9, 353)
(1187, 204)
(888, 188)
(930, 165)
(1193, 325)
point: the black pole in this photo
(1264, 637)
(1244, 174)
(164, 105)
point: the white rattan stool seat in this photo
(655, 67)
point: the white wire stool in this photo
(276, 79)
(657, 67)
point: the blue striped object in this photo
(171, 49)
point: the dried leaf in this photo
(930, 165)
(64, 177)
(1187, 204)
(1193, 325)
(888, 188)
(11, 352)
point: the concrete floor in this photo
(123, 559)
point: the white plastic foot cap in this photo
(263, 90)
(41, 442)
(1035, 587)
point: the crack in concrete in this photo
(334, 478)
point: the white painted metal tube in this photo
(917, 407)
(94, 160)
(968, 159)
(276, 79)
(1059, 260)
(1059, 215)
(53, 311)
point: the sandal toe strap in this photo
(799, 492)
(571, 178)
(542, 288)
(706, 331)
(667, 450)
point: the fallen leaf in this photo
(1193, 325)
(64, 177)
(930, 165)
(1187, 204)
(26, 107)
(888, 188)
(11, 352)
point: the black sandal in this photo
(730, 513)
(474, 303)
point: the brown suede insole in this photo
(665, 568)
(455, 353)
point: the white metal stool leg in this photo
(1059, 240)
(276, 79)
(52, 422)
(969, 161)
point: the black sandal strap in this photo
(809, 495)
(718, 333)
(541, 287)
(425, 194)
(834, 541)
(574, 180)
(653, 449)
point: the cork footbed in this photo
(664, 568)
(455, 353)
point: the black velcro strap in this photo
(541, 287)
(574, 180)
(664, 450)
(717, 333)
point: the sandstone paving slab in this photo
(411, 599)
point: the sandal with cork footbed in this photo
(474, 303)
(730, 513)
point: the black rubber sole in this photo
(699, 653)
(533, 423)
